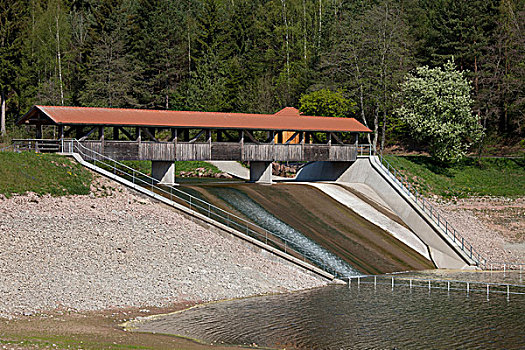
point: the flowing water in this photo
(326, 232)
(357, 317)
(256, 213)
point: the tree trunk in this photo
(2, 119)
(383, 132)
(304, 29)
(285, 20)
(376, 128)
(59, 59)
(361, 98)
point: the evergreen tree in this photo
(11, 39)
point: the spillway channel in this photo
(327, 232)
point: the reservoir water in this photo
(357, 317)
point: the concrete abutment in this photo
(163, 171)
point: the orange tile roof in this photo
(286, 119)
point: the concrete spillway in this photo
(322, 227)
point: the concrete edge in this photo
(423, 250)
(468, 260)
(206, 219)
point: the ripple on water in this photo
(338, 317)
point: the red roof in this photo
(286, 119)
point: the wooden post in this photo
(219, 135)
(61, 131)
(39, 131)
(115, 133)
(101, 133)
(329, 138)
(78, 132)
(138, 134)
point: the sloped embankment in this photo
(337, 228)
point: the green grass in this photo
(144, 166)
(492, 177)
(42, 174)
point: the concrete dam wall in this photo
(366, 178)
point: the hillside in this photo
(42, 174)
(491, 177)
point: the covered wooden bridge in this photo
(167, 136)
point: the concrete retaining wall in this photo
(367, 170)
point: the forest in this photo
(258, 56)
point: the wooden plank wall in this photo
(169, 151)
(193, 151)
(157, 151)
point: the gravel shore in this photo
(494, 226)
(114, 249)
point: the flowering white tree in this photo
(437, 108)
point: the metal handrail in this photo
(193, 202)
(432, 212)
(432, 283)
(364, 150)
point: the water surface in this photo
(364, 317)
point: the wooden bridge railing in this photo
(170, 151)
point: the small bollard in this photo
(468, 287)
(392, 283)
(487, 292)
(429, 286)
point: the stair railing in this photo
(193, 203)
(403, 184)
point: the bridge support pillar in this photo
(261, 172)
(163, 171)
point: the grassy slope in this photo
(42, 174)
(494, 177)
(144, 166)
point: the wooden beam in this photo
(291, 137)
(86, 135)
(101, 133)
(138, 134)
(251, 137)
(116, 134)
(270, 137)
(150, 135)
(230, 137)
(337, 139)
(174, 135)
(127, 134)
(197, 136)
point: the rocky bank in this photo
(114, 249)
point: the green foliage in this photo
(42, 174)
(437, 108)
(326, 103)
(260, 55)
(468, 177)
